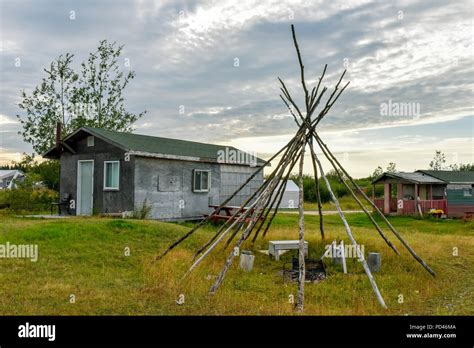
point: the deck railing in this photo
(409, 205)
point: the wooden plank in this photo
(343, 256)
(386, 198)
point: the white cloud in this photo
(9, 46)
(4, 120)
(434, 43)
(186, 58)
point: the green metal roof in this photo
(416, 178)
(157, 145)
(451, 176)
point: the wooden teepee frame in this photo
(265, 201)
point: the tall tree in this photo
(93, 97)
(392, 167)
(100, 92)
(48, 104)
(438, 161)
(377, 172)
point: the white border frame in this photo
(112, 188)
(78, 184)
(208, 180)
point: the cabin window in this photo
(201, 180)
(90, 141)
(111, 175)
(468, 192)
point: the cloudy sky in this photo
(219, 61)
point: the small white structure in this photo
(275, 246)
(246, 260)
(290, 197)
(8, 178)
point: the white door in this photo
(85, 187)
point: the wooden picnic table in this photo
(228, 210)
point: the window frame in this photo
(195, 171)
(90, 141)
(110, 188)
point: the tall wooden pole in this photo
(318, 192)
(293, 153)
(301, 274)
(351, 237)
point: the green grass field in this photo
(346, 203)
(86, 257)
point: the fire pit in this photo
(315, 271)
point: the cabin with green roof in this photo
(448, 191)
(109, 172)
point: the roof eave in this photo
(460, 183)
(52, 152)
(408, 180)
(51, 155)
(185, 158)
(393, 176)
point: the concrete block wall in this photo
(167, 185)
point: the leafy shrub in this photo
(46, 172)
(338, 187)
(28, 199)
(4, 201)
